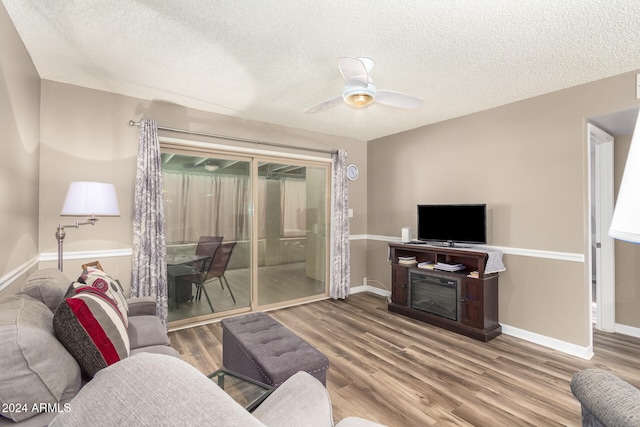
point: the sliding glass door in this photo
(208, 229)
(294, 239)
(242, 233)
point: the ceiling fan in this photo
(360, 91)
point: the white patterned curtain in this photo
(209, 205)
(149, 273)
(293, 207)
(340, 262)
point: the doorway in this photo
(602, 254)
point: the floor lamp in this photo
(88, 199)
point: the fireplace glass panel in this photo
(435, 295)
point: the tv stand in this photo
(478, 296)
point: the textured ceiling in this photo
(268, 60)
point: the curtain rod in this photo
(233, 138)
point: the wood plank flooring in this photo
(401, 372)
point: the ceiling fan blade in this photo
(323, 106)
(354, 71)
(398, 99)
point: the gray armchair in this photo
(606, 400)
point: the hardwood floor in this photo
(401, 372)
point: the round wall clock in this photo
(352, 172)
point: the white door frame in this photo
(600, 146)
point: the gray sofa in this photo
(38, 376)
(605, 399)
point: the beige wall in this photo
(20, 124)
(528, 162)
(627, 254)
(86, 136)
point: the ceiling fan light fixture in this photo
(359, 100)
(211, 168)
(358, 96)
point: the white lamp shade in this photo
(91, 198)
(625, 224)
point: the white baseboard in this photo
(627, 330)
(552, 343)
(357, 289)
(370, 289)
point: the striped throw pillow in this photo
(97, 278)
(92, 329)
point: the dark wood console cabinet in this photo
(478, 305)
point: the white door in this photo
(603, 258)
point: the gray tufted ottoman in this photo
(257, 346)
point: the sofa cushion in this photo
(142, 306)
(146, 331)
(34, 367)
(92, 328)
(303, 392)
(48, 285)
(100, 280)
(153, 390)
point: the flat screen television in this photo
(451, 224)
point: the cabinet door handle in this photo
(463, 300)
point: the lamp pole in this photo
(60, 233)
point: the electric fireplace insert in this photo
(434, 293)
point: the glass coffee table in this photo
(244, 390)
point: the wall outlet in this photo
(364, 281)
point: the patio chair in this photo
(218, 268)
